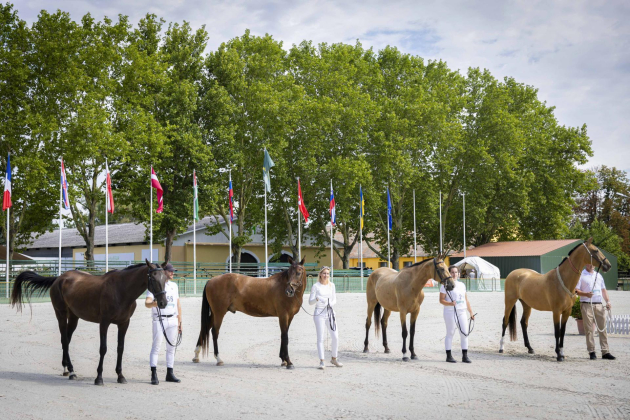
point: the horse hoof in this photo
(414, 357)
(66, 373)
(290, 366)
(501, 351)
(98, 381)
(122, 380)
(72, 376)
(531, 351)
(405, 359)
(560, 358)
(220, 363)
(195, 360)
(366, 350)
(283, 364)
(386, 350)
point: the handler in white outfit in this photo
(172, 321)
(323, 296)
(455, 304)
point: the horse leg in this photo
(556, 330)
(384, 320)
(563, 327)
(368, 323)
(216, 326)
(104, 326)
(403, 322)
(508, 316)
(527, 311)
(122, 331)
(73, 320)
(284, 341)
(412, 332)
(62, 319)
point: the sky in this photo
(576, 53)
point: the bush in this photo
(576, 311)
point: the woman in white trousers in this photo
(323, 296)
(455, 304)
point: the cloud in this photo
(576, 53)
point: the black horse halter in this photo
(151, 270)
(442, 279)
(293, 287)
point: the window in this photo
(383, 264)
(407, 263)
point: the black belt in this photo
(167, 316)
(594, 303)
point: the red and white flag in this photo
(65, 200)
(156, 184)
(6, 198)
(301, 205)
(110, 198)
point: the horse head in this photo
(443, 274)
(597, 255)
(296, 275)
(157, 281)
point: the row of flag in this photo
(155, 184)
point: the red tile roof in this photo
(516, 248)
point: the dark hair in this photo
(453, 266)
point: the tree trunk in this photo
(170, 235)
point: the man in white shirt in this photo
(172, 322)
(591, 288)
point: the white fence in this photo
(619, 324)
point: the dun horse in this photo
(279, 296)
(552, 291)
(401, 292)
(107, 299)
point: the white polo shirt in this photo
(591, 282)
(172, 294)
(458, 294)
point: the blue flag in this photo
(389, 211)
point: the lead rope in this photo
(179, 333)
(471, 321)
(608, 311)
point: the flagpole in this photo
(106, 220)
(195, 215)
(361, 236)
(8, 209)
(266, 253)
(230, 217)
(151, 217)
(60, 215)
(440, 223)
(389, 254)
(331, 240)
(299, 221)
(415, 244)
(464, 197)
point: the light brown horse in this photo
(552, 291)
(105, 300)
(279, 296)
(401, 291)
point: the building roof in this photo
(516, 248)
(368, 253)
(15, 256)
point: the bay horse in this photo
(552, 291)
(279, 296)
(107, 299)
(401, 291)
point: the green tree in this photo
(604, 237)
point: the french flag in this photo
(110, 198)
(64, 187)
(6, 198)
(231, 193)
(156, 184)
(333, 217)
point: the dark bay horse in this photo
(279, 296)
(401, 291)
(105, 300)
(552, 292)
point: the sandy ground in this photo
(252, 384)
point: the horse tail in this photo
(206, 317)
(27, 283)
(377, 319)
(512, 324)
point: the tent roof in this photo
(516, 248)
(483, 268)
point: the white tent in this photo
(486, 276)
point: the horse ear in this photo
(590, 240)
(164, 264)
(302, 262)
(148, 263)
(290, 260)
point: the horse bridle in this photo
(294, 287)
(442, 279)
(596, 257)
(151, 270)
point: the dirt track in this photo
(251, 384)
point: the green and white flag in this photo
(267, 165)
(196, 197)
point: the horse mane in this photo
(131, 267)
(418, 263)
(574, 248)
